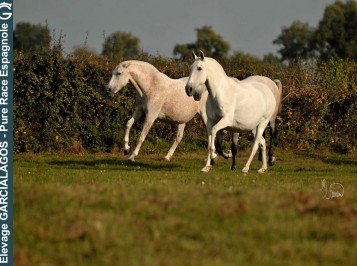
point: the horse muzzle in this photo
(189, 90)
(110, 91)
(197, 96)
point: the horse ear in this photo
(194, 55)
(202, 55)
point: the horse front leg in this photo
(207, 167)
(149, 120)
(179, 135)
(136, 117)
(223, 123)
(218, 145)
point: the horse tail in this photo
(280, 88)
(272, 128)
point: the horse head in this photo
(197, 78)
(120, 78)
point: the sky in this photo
(249, 26)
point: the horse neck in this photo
(216, 80)
(143, 79)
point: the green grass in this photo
(103, 210)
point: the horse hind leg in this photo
(271, 158)
(264, 158)
(257, 140)
(234, 150)
(260, 156)
(179, 135)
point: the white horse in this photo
(158, 96)
(235, 105)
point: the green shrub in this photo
(321, 113)
(60, 103)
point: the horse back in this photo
(259, 94)
(274, 86)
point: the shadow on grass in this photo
(115, 164)
(330, 160)
(339, 161)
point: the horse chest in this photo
(214, 116)
(214, 110)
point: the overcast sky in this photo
(249, 26)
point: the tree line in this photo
(335, 36)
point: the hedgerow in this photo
(60, 103)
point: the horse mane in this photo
(215, 62)
(126, 64)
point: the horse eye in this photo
(118, 73)
(199, 68)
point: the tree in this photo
(121, 44)
(271, 58)
(29, 37)
(211, 43)
(83, 51)
(336, 35)
(296, 41)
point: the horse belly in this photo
(247, 120)
(178, 113)
(168, 119)
(244, 126)
(254, 109)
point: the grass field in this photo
(103, 210)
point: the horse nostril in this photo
(188, 90)
(109, 90)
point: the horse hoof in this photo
(213, 155)
(245, 170)
(233, 168)
(229, 154)
(272, 161)
(262, 170)
(205, 169)
(167, 158)
(132, 158)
